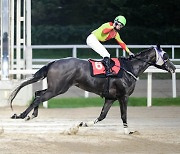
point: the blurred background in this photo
(70, 22)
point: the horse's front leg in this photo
(123, 108)
(104, 111)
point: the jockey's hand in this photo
(131, 55)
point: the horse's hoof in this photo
(27, 118)
(83, 124)
(14, 116)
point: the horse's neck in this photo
(139, 67)
(142, 63)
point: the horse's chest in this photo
(124, 88)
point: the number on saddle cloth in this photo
(98, 69)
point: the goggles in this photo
(119, 24)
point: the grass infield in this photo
(97, 101)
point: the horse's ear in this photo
(158, 46)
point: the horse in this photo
(64, 73)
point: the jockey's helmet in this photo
(120, 19)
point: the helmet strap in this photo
(116, 29)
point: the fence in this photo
(151, 70)
(116, 47)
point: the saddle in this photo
(98, 69)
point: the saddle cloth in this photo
(98, 69)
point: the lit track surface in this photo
(158, 127)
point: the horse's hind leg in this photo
(37, 94)
(35, 112)
(107, 105)
(46, 95)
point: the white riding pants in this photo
(93, 42)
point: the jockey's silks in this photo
(106, 32)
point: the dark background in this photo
(71, 21)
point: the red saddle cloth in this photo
(98, 69)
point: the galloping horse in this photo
(64, 73)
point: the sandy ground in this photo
(158, 127)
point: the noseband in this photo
(159, 57)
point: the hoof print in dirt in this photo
(134, 133)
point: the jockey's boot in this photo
(106, 63)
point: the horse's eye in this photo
(165, 56)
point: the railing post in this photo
(172, 52)
(74, 54)
(12, 35)
(117, 52)
(86, 94)
(174, 85)
(44, 86)
(124, 53)
(149, 90)
(28, 50)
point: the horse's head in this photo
(163, 61)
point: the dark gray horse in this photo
(64, 73)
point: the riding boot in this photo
(106, 63)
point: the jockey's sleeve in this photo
(121, 43)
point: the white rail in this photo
(116, 47)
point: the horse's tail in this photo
(39, 75)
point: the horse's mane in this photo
(143, 52)
(137, 54)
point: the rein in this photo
(150, 63)
(136, 78)
(158, 56)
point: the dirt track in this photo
(159, 129)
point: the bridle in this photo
(159, 61)
(160, 57)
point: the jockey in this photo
(106, 32)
